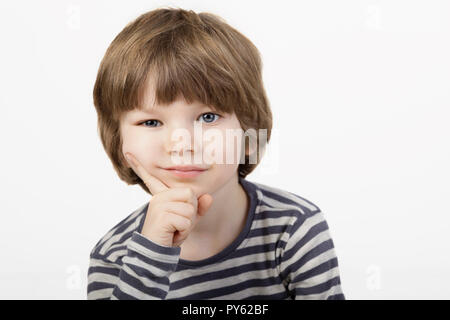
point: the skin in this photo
(219, 194)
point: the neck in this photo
(227, 212)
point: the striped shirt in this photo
(284, 252)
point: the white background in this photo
(360, 96)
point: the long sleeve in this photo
(309, 265)
(143, 273)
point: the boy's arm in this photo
(309, 265)
(142, 274)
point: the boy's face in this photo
(164, 137)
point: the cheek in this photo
(143, 148)
(223, 147)
(232, 148)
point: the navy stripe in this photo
(311, 234)
(276, 296)
(145, 274)
(143, 241)
(222, 274)
(291, 229)
(118, 248)
(284, 212)
(286, 200)
(105, 270)
(316, 251)
(226, 290)
(93, 286)
(321, 268)
(119, 294)
(320, 288)
(246, 251)
(158, 264)
(339, 296)
(121, 226)
(136, 283)
(266, 231)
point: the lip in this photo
(186, 171)
(186, 168)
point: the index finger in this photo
(153, 184)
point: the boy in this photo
(207, 232)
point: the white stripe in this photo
(291, 196)
(316, 261)
(272, 222)
(275, 204)
(310, 245)
(304, 229)
(265, 240)
(152, 269)
(136, 226)
(102, 277)
(112, 231)
(323, 295)
(168, 258)
(147, 282)
(126, 288)
(116, 238)
(227, 282)
(100, 294)
(225, 265)
(316, 280)
(117, 255)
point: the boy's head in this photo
(167, 69)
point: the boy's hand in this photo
(172, 212)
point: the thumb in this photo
(204, 203)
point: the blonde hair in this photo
(198, 56)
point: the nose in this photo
(180, 139)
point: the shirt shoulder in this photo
(113, 244)
(282, 213)
(273, 198)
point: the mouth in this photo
(186, 171)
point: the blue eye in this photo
(209, 113)
(149, 121)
